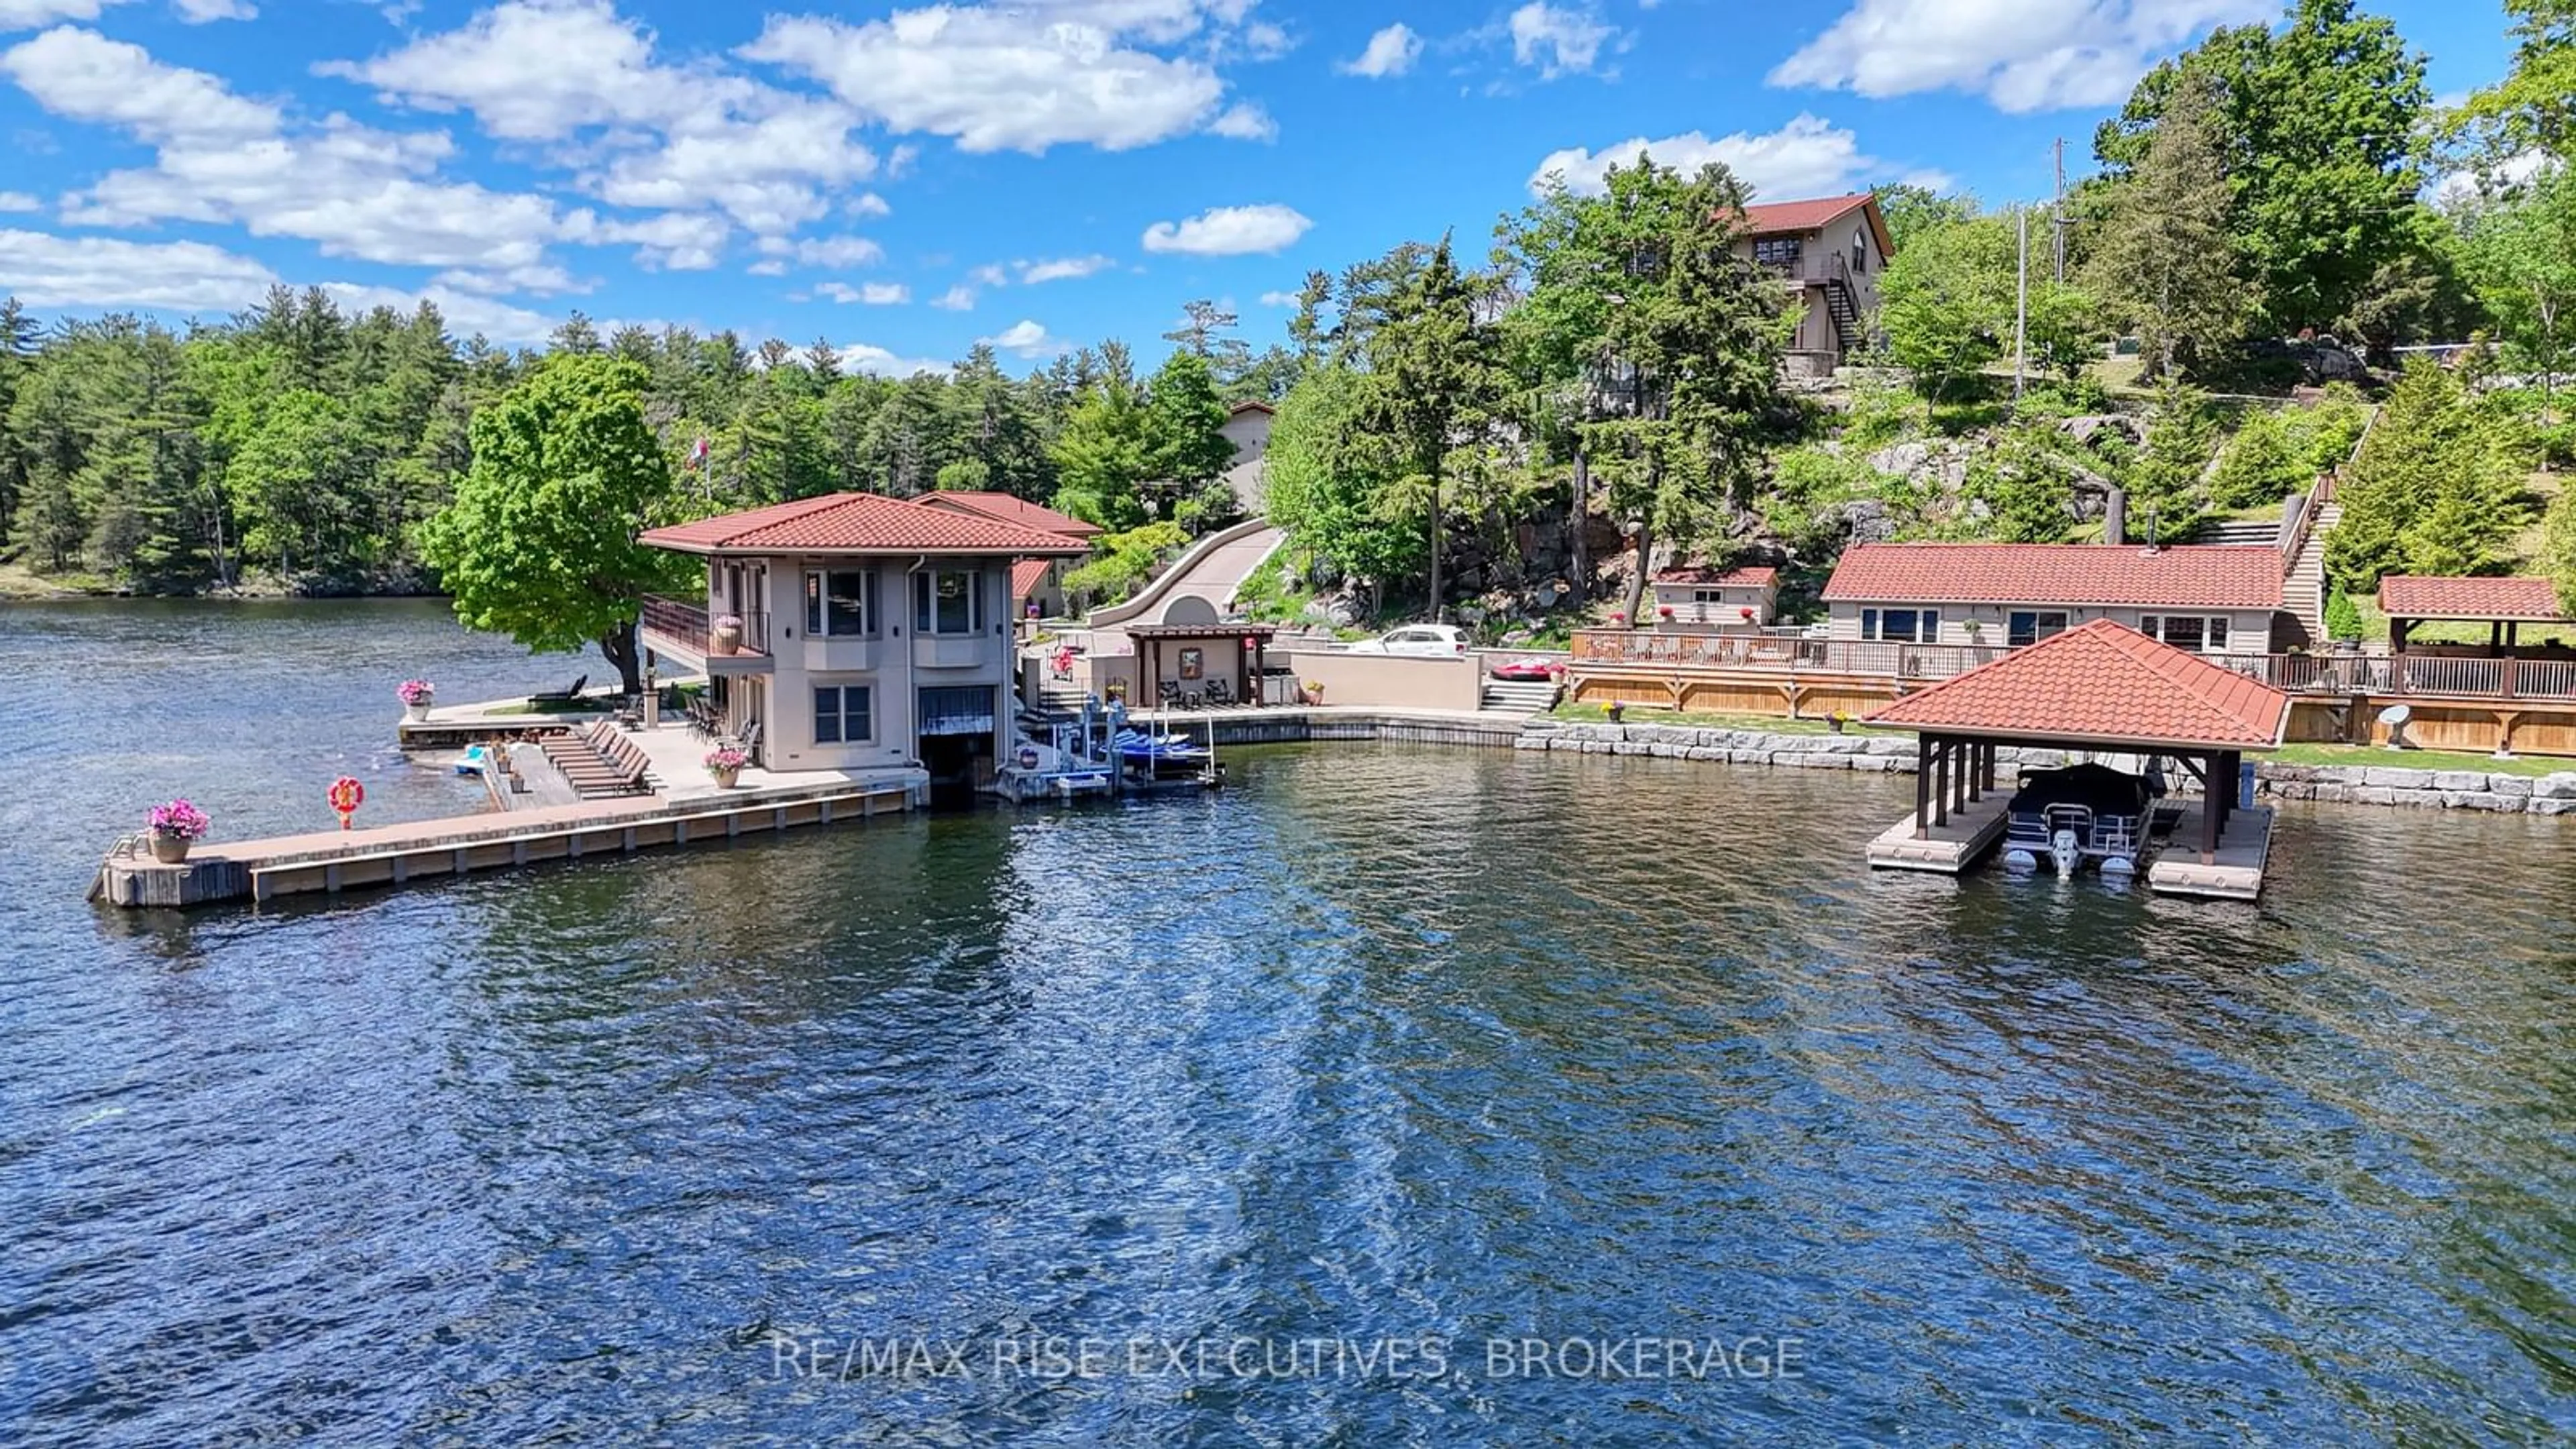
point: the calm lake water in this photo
(1433, 1046)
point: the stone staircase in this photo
(1520, 696)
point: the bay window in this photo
(840, 603)
(947, 601)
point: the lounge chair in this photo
(562, 696)
(1219, 692)
(1168, 692)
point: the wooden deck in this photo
(1949, 848)
(333, 860)
(2236, 874)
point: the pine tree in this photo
(2165, 257)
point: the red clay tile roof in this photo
(1249, 405)
(1003, 508)
(861, 523)
(2103, 682)
(2204, 577)
(1778, 216)
(1746, 578)
(2406, 596)
(1026, 575)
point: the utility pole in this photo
(2057, 218)
(2021, 303)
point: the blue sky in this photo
(1042, 173)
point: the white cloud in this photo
(28, 14)
(20, 201)
(1807, 157)
(1558, 42)
(463, 311)
(826, 251)
(2023, 55)
(770, 268)
(52, 271)
(673, 136)
(1006, 77)
(206, 12)
(959, 298)
(543, 280)
(82, 75)
(988, 275)
(1226, 231)
(870, 358)
(351, 189)
(867, 204)
(871, 294)
(1026, 339)
(1280, 299)
(1065, 268)
(1244, 121)
(1390, 52)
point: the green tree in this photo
(2165, 258)
(1949, 302)
(1185, 442)
(2166, 499)
(541, 542)
(2314, 123)
(1325, 471)
(2521, 253)
(1103, 455)
(2262, 465)
(2434, 488)
(2534, 106)
(1912, 210)
(1432, 378)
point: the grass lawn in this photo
(2417, 759)
(1642, 714)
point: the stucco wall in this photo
(1391, 681)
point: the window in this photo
(1901, 626)
(841, 715)
(1860, 249)
(840, 603)
(2206, 634)
(947, 601)
(1776, 251)
(2029, 626)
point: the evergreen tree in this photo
(2165, 257)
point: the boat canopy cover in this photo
(2098, 788)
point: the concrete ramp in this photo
(1213, 569)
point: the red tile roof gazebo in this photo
(2102, 686)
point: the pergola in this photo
(1248, 641)
(2504, 605)
(2101, 687)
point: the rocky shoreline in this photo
(2553, 794)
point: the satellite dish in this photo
(2394, 719)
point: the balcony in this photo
(680, 630)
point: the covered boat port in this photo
(2102, 689)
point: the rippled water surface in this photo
(1437, 1045)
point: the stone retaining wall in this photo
(1894, 754)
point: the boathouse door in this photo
(954, 736)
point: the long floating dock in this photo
(325, 861)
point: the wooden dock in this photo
(1950, 847)
(2235, 874)
(392, 855)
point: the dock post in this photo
(1922, 786)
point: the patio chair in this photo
(1220, 692)
(1168, 693)
(561, 696)
(749, 744)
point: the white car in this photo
(1445, 640)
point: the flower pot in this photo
(417, 713)
(170, 849)
(1314, 694)
(727, 776)
(724, 639)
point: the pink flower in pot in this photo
(1747, 612)
(1663, 611)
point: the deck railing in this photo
(685, 623)
(2383, 674)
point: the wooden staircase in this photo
(2303, 584)
(1843, 305)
